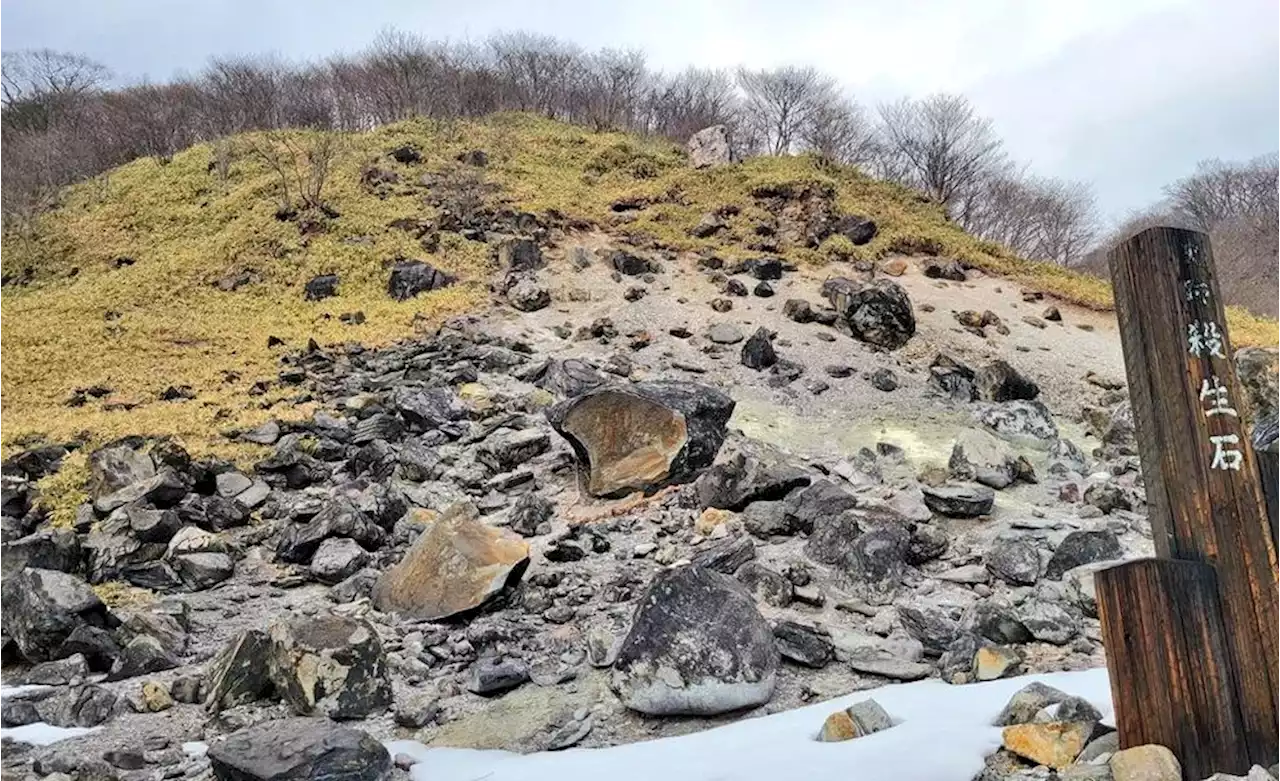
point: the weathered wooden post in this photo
(1191, 636)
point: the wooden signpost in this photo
(1191, 635)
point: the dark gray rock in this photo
(200, 571)
(520, 255)
(340, 517)
(799, 310)
(164, 489)
(97, 644)
(833, 539)
(59, 672)
(884, 380)
(878, 312)
(185, 689)
(741, 480)
(927, 543)
(857, 229)
(321, 287)
(329, 664)
(239, 673)
(299, 750)
(529, 512)
(119, 465)
(959, 501)
(1108, 497)
(952, 378)
(571, 377)
(1016, 562)
(758, 352)
(337, 559)
(644, 435)
(767, 519)
(491, 676)
(51, 549)
(824, 498)
(879, 556)
(41, 608)
(151, 525)
(411, 277)
(632, 265)
(996, 622)
(142, 655)
(803, 645)
(1083, 547)
(697, 646)
(726, 557)
(943, 268)
(506, 451)
(935, 631)
(79, 706)
(769, 586)
(1048, 622)
(998, 381)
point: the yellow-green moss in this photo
(64, 491)
(161, 321)
(116, 594)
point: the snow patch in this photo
(41, 734)
(195, 748)
(941, 733)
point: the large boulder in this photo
(710, 147)
(977, 455)
(239, 673)
(1083, 547)
(1016, 562)
(330, 664)
(697, 646)
(411, 277)
(119, 465)
(455, 566)
(959, 501)
(644, 435)
(1021, 422)
(877, 312)
(42, 608)
(299, 750)
(743, 479)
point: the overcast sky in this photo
(1125, 94)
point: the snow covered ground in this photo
(940, 733)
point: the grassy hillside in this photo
(89, 319)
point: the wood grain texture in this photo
(1170, 664)
(1166, 291)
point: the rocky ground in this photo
(643, 495)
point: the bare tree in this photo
(780, 104)
(39, 85)
(939, 145)
(841, 132)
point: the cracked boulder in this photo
(42, 608)
(642, 436)
(455, 566)
(331, 665)
(697, 646)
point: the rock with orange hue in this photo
(644, 435)
(894, 268)
(456, 565)
(1054, 744)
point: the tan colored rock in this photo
(457, 565)
(1145, 763)
(710, 519)
(642, 436)
(1055, 744)
(156, 697)
(992, 662)
(894, 268)
(861, 718)
(838, 726)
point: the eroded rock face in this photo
(642, 436)
(697, 646)
(330, 664)
(456, 565)
(42, 608)
(299, 750)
